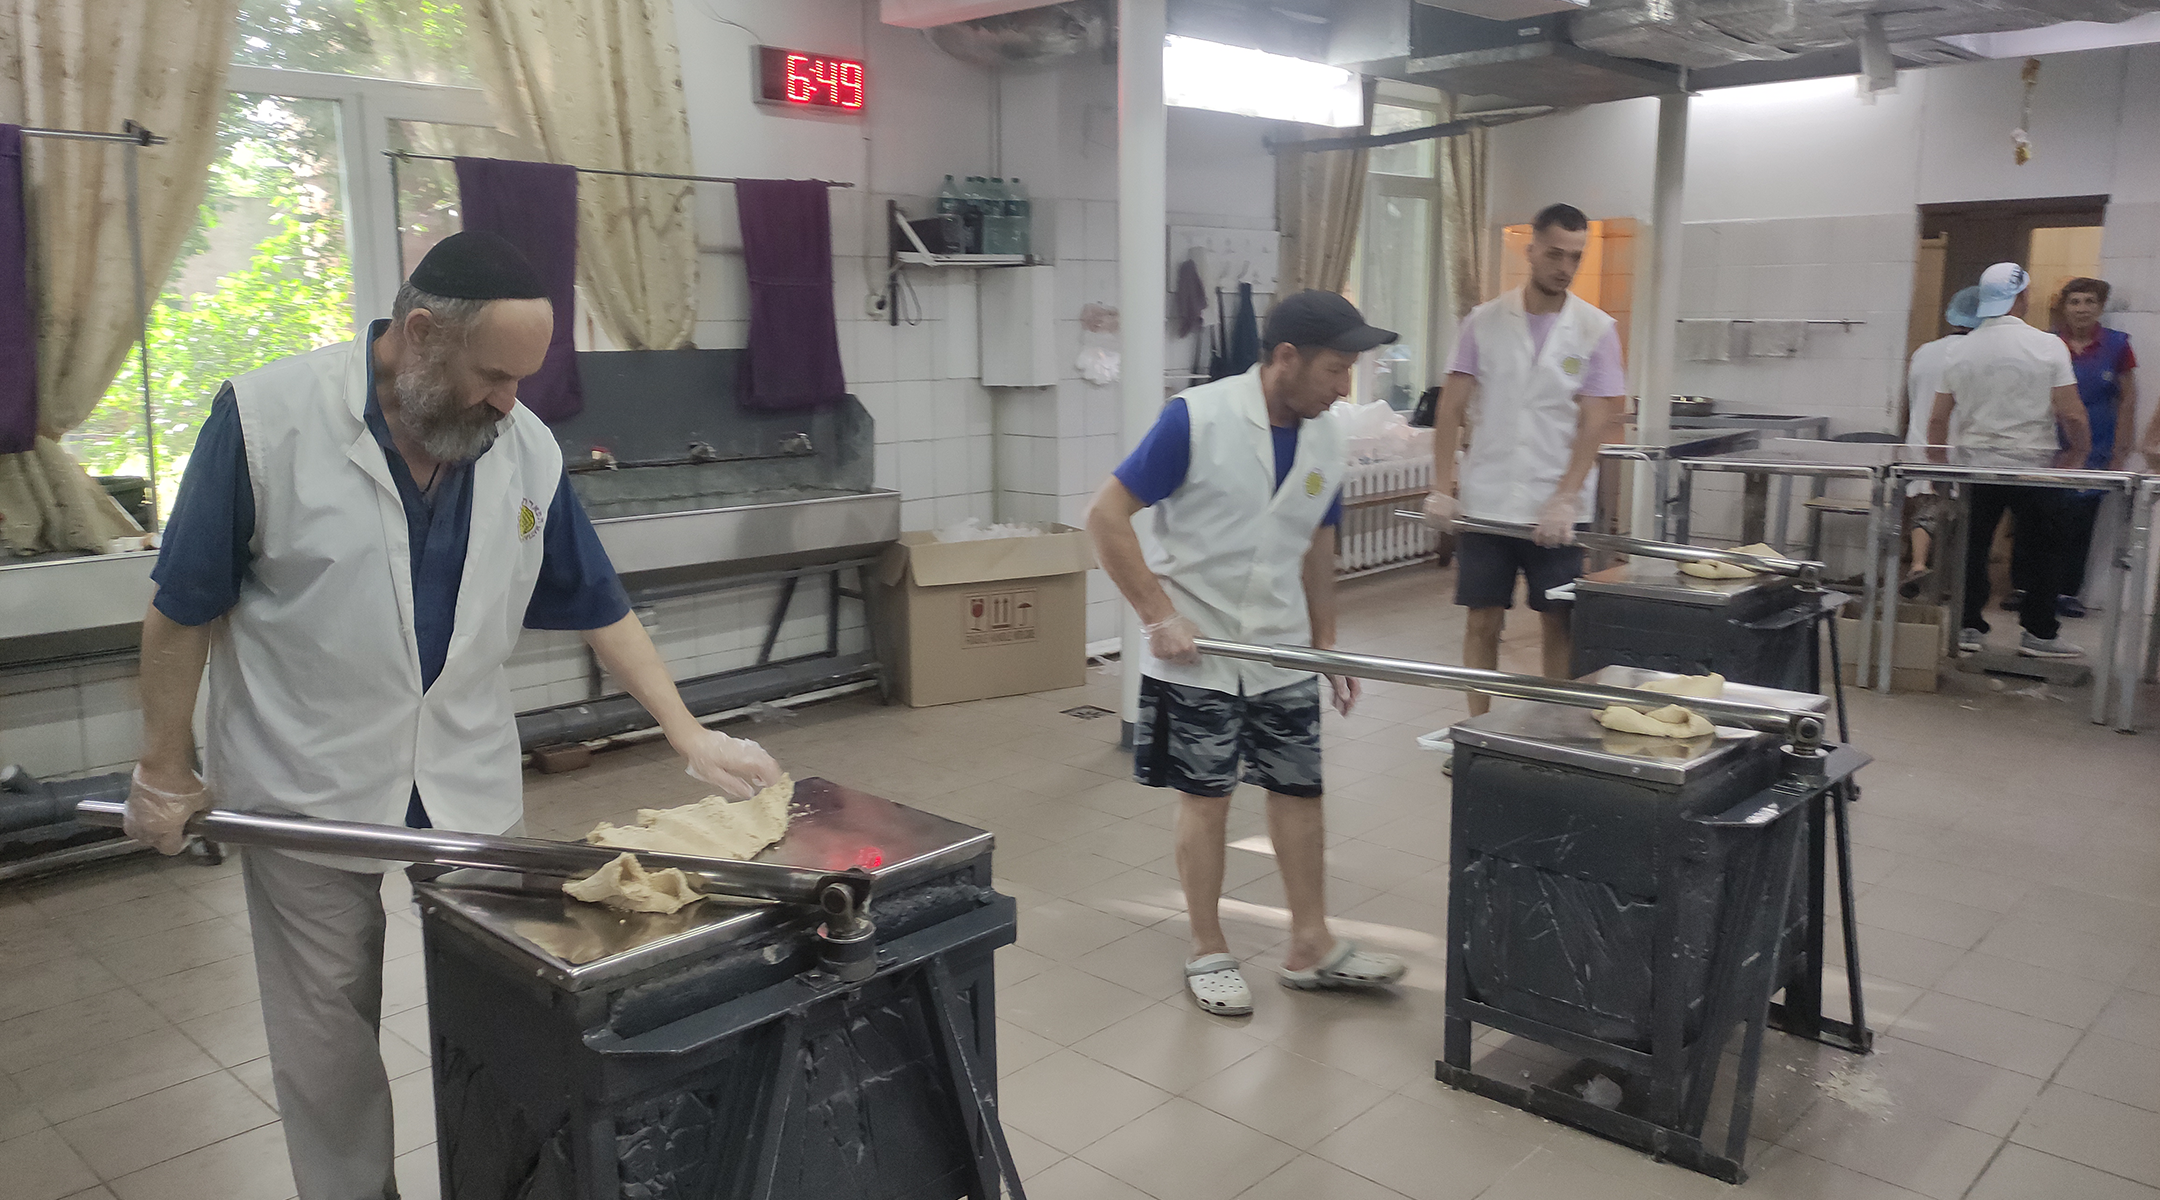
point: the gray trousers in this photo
(319, 959)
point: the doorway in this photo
(2055, 239)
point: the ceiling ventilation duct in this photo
(1037, 37)
(1714, 33)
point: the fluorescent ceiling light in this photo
(1254, 83)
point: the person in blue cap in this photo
(1923, 378)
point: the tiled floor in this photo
(2009, 852)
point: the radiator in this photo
(1372, 538)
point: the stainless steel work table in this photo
(1660, 456)
(1965, 466)
(1820, 461)
(2139, 654)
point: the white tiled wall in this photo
(1811, 268)
(70, 720)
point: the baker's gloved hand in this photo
(157, 815)
(1555, 522)
(738, 767)
(1170, 640)
(1440, 509)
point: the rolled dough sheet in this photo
(625, 884)
(1699, 687)
(1671, 721)
(1723, 570)
(711, 828)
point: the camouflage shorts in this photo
(1194, 739)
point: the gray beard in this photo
(429, 413)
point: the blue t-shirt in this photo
(1157, 466)
(204, 555)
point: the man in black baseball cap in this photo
(1242, 481)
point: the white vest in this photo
(314, 683)
(1229, 546)
(1523, 414)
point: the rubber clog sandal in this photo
(1217, 985)
(1346, 966)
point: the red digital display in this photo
(795, 78)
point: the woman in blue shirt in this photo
(2106, 381)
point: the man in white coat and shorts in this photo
(1241, 481)
(1537, 377)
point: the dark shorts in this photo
(1486, 565)
(1194, 739)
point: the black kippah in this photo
(477, 265)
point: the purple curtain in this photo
(534, 205)
(794, 359)
(18, 334)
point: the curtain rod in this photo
(132, 134)
(409, 156)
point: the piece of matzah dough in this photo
(711, 828)
(624, 884)
(1671, 721)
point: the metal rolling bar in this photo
(1805, 728)
(532, 856)
(1801, 569)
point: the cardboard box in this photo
(969, 620)
(1916, 651)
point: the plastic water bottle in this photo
(1020, 235)
(948, 199)
(997, 225)
(971, 214)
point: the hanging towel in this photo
(1244, 334)
(1776, 339)
(1704, 341)
(534, 205)
(1219, 350)
(18, 336)
(1191, 299)
(794, 359)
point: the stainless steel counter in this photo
(574, 945)
(1571, 737)
(763, 528)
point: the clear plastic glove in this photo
(738, 767)
(1440, 509)
(1555, 522)
(1345, 691)
(1170, 640)
(157, 817)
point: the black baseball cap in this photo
(1316, 318)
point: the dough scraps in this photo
(625, 884)
(1699, 687)
(1671, 721)
(1725, 570)
(711, 828)
(714, 827)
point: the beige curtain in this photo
(93, 64)
(1319, 204)
(1464, 239)
(597, 83)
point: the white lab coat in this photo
(2003, 376)
(1524, 414)
(1229, 546)
(316, 706)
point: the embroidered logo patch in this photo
(1571, 364)
(528, 520)
(1313, 483)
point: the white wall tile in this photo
(918, 470)
(874, 352)
(911, 351)
(1102, 231)
(980, 476)
(918, 514)
(949, 415)
(914, 411)
(952, 466)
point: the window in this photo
(298, 239)
(1233, 79)
(1396, 275)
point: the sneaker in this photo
(2014, 601)
(2069, 606)
(2055, 647)
(1971, 640)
